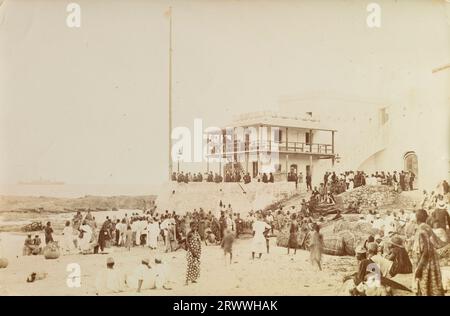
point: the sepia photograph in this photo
(228, 148)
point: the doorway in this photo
(255, 169)
(294, 168)
(411, 164)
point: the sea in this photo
(77, 190)
(10, 243)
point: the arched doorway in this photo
(411, 164)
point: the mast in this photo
(170, 95)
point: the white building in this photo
(265, 142)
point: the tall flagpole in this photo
(170, 94)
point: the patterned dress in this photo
(194, 250)
(426, 260)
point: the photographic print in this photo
(228, 148)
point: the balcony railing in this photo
(266, 146)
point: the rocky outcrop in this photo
(32, 204)
(367, 195)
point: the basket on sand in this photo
(3, 263)
(51, 251)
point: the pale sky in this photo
(88, 105)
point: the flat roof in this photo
(280, 120)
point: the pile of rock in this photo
(409, 199)
(367, 195)
(33, 227)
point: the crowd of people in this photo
(404, 237)
(230, 176)
(407, 243)
(334, 184)
(331, 185)
(348, 180)
(165, 231)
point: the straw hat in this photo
(372, 246)
(360, 250)
(441, 205)
(396, 241)
(110, 260)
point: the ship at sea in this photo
(41, 182)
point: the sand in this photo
(274, 274)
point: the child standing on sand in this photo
(48, 230)
(227, 244)
(316, 247)
(128, 237)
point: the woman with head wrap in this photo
(427, 275)
(194, 249)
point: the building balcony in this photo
(281, 147)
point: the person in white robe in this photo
(121, 228)
(351, 185)
(84, 240)
(153, 232)
(142, 278)
(378, 223)
(259, 240)
(161, 274)
(135, 226)
(389, 224)
(165, 227)
(110, 280)
(67, 243)
(142, 231)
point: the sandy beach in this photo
(275, 273)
